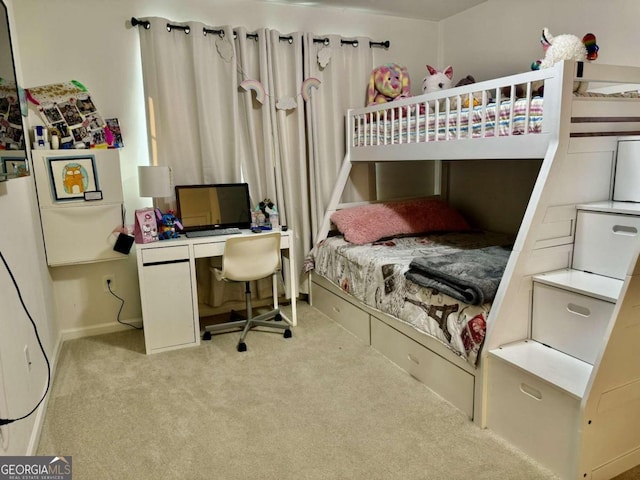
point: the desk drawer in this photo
(165, 254)
(285, 241)
(211, 249)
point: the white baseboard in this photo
(100, 329)
(617, 466)
(34, 440)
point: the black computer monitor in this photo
(207, 207)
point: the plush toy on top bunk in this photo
(566, 47)
(437, 80)
(387, 83)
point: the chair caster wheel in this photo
(242, 347)
(278, 317)
(287, 333)
(206, 336)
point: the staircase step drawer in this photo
(534, 416)
(569, 322)
(605, 243)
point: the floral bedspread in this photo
(374, 274)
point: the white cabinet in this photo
(166, 298)
(79, 228)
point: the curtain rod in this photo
(205, 31)
(354, 43)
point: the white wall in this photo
(92, 41)
(21, 246)
(502, 37)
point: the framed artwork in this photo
(71, 177)
(13, 165)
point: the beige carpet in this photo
(321, 405)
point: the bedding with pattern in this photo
(374, 273)
(512, 120)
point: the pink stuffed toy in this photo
(387, 83)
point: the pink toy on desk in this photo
(146, 226)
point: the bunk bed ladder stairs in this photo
(537, 385)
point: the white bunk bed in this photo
(566, 392)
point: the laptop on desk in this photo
(213, 209)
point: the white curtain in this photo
(189, 122)
(343, 70)
(230, 106)
(272, 132)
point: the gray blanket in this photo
(472, 275)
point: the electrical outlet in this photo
(109, 283)
(4, 413)
(27, 357)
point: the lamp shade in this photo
(154, 181)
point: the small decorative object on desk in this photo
(265, 215)
(146, 226)
(167, 225)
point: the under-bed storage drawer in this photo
(444, 378)
(342, 312)
(605, 243)
(534, 416)
(572, 323)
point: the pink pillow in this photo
(369, 223)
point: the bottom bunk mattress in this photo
(376, 274)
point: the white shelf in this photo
(562, 371)
(610, 206)
(584, 283)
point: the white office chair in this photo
(247, 258)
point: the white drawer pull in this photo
(578, 310)
(532, 392)
(335, 309)
(625, 230)
(413, 359)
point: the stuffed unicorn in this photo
(387, 83)
(566, 47)
(437, 80)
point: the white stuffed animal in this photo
(566, 47)
(560, 48)
(437, 80)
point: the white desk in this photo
(168, 287)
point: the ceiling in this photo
(433, 10)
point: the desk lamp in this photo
(154, 182)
